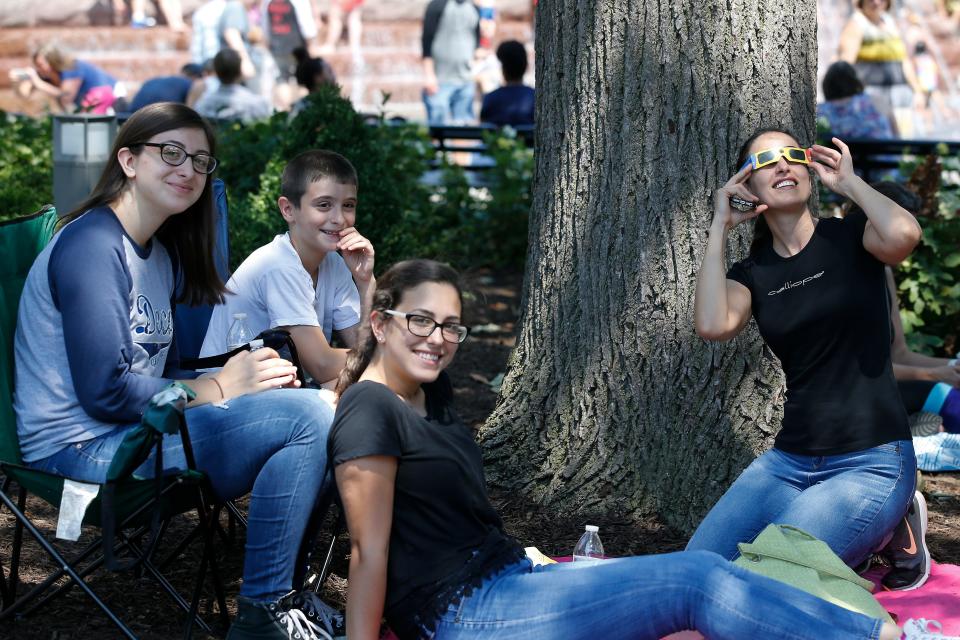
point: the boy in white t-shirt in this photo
(299, 281)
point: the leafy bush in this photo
(928, 282)
(26, 165)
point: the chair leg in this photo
(5, 597)
(17, 544)
(55, 555)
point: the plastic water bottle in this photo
(589, 546)
(239, 333)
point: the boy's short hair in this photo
(226, 64)
(313, 166)
(513, 58)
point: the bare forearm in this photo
(710, 303)
(895, 226)
(365, 595)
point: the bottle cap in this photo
(592, 527)
(239, 316)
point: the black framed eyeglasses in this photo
(424, 326)
(175, 155)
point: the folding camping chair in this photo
(127, 509)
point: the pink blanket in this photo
(938, 599)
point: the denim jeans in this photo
(645, 597)
(850, 501)
(451, 104)
(272, 445)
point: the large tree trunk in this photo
(611, 403)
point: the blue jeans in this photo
(850, 501)
(272, 445)
(645, 597)
(451, 104)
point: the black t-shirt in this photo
(445, 532)
(284, 34)
(824, 313)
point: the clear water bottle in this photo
(239, 333)
(589, 546)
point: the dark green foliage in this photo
(928, 282)
(26, 165)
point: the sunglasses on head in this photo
(763, 158)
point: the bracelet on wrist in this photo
(223, 396)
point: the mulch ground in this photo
(152, 615)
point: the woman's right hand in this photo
(254, 371)
(725, 217)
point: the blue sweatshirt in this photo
(94, 335)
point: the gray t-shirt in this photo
(450, 37)
(94, 336)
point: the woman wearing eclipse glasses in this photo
(842, 467)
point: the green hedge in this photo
(928, 282)
(26, 165)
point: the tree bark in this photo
(611, 404)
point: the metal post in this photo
(81, 148)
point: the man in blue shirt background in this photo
(511, 104)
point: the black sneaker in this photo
(907, 550)
(272, 621)
(318, 612)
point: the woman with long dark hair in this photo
(429, 551)
(95, 341)
(842, 466)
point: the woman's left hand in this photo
(358, 253)
(834, 168)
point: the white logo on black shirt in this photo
(790, 285)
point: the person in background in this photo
(849, 113)
(928, 77)
(349, 13)
(172, 12)
(289, 26)
(265, 79)
(75, 85)
(312, 73)
(168, 88)
(231, 100)
(233, 30)
(205, 37)
(871, 41)
(513, 103)
(451, 36)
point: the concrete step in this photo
(84, 40)
(81, 40)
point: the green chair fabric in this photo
(21, 239)
(795, 557)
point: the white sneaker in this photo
(923, 629)
(320, 614)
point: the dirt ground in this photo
(152, 615)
